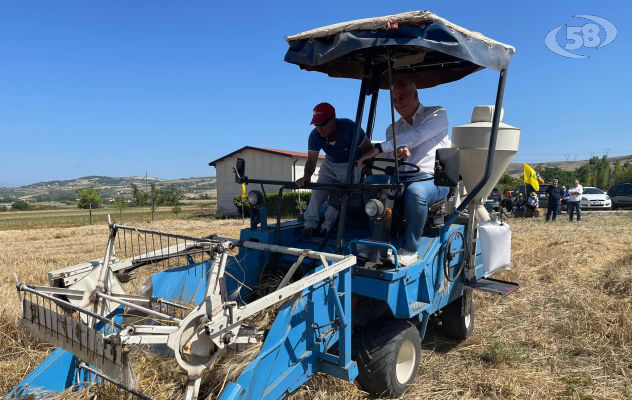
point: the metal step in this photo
(493, 286)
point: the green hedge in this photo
(292, 204)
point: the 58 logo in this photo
(577, 37)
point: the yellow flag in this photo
(243, 190)
(531, 177)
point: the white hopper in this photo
(473, 141)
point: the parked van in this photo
(621, 195)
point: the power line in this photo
(621, 152)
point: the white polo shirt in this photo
(428, 133)
(575, 197)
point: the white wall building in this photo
(261, 163)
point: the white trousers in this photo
(329, 172)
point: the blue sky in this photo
(122, 87)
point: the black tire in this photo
(379, 352)
(454, 324)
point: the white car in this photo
(595, 198)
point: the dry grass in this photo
(69, 217)
(567, 333)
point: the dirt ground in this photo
(566, 333)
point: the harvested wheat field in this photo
(567, 333)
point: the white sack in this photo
(495, 240)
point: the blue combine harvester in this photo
(342, 305)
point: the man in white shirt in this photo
(420, 132)
(533, 202)
(574, 199)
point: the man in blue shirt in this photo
(555, 195)
(333, 136)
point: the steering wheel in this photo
(390, 169)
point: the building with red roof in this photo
(261, 163)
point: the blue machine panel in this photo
(419, 287)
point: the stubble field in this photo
(69, 217)
(567, 333)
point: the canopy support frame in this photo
(354, 148)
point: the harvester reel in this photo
(103, 336)
(192, 345)
(89, 284)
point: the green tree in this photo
(603, 180)
(507, 182)
(623, 173)
(120, 203)
(6, 198)
(3, 208)
(89, 199)
(154, 199)
(169, 196)
(20, 205)
(289, 206)
(139, 198)
(565, 178)
(597, 172)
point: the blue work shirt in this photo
(555, 193)
(339, 150)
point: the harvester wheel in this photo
(457, 323)
(388, 358)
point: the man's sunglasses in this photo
(325, 122)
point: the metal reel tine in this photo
(17, 285)
(288, 276)
(324, 261)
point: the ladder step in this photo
(493, 286)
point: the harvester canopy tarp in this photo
(428, 48)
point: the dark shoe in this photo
(309, 232)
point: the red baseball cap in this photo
(322, 112)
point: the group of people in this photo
(420, 131)
(572, 196)
(555, 194)
(531, 203)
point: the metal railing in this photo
(141, 247)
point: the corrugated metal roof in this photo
(286, 153)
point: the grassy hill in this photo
(64, 190)
(517, 168)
